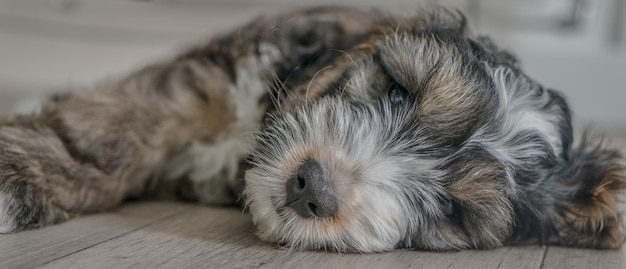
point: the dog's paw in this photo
(7, 218)
(28, 188)
(23, 211)
(219, 192)
(24, 206)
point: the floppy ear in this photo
(587, 213)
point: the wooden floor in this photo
(177, 235)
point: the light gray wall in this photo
(48, 45)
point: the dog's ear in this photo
(587, 213)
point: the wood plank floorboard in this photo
(206, 237)
(32, 248)
(557, 257)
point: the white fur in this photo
(217, 163)
(373, 213)
(520, 110)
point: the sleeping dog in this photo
(340, 129)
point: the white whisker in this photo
(306, 97)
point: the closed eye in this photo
(397, 94)
(451, 210)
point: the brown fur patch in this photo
(595, 220)
(485, 210)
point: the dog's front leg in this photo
(90, 149)
(42, 183)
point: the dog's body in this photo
(372, 132)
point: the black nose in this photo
(310, 194)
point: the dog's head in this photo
(425, 136)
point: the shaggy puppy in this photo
(372, 132)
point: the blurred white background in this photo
(576, 46)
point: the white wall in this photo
(47, 45)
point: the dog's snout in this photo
(309, 193)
